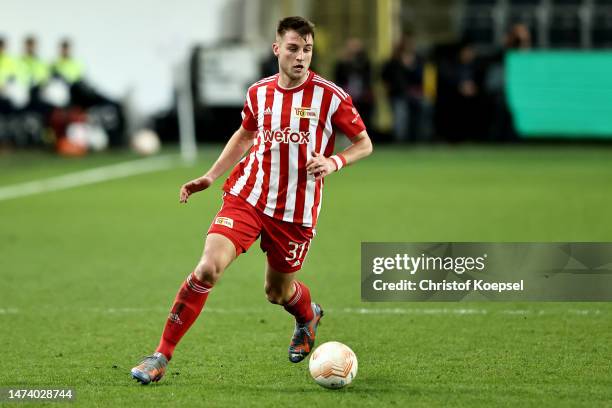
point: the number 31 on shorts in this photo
(297, 251)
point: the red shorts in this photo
(285, 244)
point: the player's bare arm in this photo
(321, 166)
(240, 142)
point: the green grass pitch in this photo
(88, 275)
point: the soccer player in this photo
(274, 192)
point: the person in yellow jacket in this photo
(8, 66)
(84, 95)
(14, 82)
(8, 75)
(33, 70)
(66, 67)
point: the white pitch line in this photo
(387, 311)
(424, 311)
(350, 311)
(91, 176)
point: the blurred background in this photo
(76, 79)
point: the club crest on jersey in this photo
(228, 222)
(286, 135)
(305, 113)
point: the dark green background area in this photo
(88, 275)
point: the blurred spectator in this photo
(518, 37)
(101, 110)
(502, 125)
(66, 67)
(35, 74)
(35, 70)
(8, 72)
(18, 126)
(459, 107)
(353, 73)
(403, 77)
(15, 85)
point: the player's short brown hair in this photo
(298, 24)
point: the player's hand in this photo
(320, 166)
(193, 186)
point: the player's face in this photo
(294, 54)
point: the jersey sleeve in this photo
(347, 119)
(249, 122)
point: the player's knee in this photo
(270, 293)
(207, 271)
(273, 294)
(276, 295)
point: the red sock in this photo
(299, 304)
(187, 306)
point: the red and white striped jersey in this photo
(290, 124)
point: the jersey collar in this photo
(297, 88)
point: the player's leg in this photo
(233, 230)
(286, 246)
(283, 289)
(219, 252)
